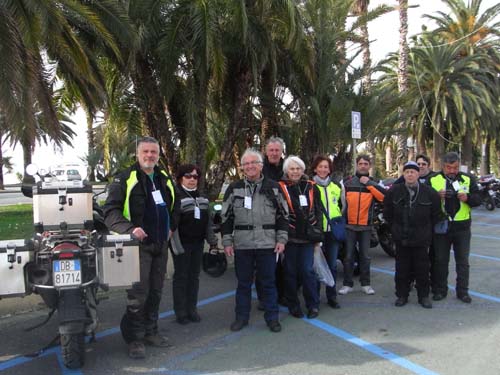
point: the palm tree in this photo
(39, 40)
(478, 33)
(445, 91)
(402, 149)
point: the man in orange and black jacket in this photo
(358, 194)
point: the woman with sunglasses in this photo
(194, 227)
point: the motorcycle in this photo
(67, 260)
(381, 234)
(486, 191)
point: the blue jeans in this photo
(299, 267)
(246, 263)
(331, 251)
(362, 238)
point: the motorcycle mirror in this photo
(31, 169)
(218, 207)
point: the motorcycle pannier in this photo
(57, 202)
(118, 261)
(14, 254)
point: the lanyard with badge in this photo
(302, 196)
(157, 196)
(248, 199)
(197, 211)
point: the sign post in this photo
(355, 134)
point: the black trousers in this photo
(460, 240)
(186, 282)
(143, 299)
(412, 262)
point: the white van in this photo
(66, 173)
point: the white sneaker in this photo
(345, 289)
(367, 289)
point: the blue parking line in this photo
(111, 331)
(486, 224)
(487, 237)
(372, 348)
(471, 292)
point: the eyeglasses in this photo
(422, 164)
(255, 162)
(189, 176)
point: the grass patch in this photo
(16, 221)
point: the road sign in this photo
(356, 125)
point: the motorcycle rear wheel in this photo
(73, 350)
(497, 202)
(387, 244)
(489, 204)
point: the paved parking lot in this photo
(368, 335)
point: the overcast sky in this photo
(384, 34)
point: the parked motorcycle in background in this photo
(68, 258)
(488, 194)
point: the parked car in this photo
(67, 174)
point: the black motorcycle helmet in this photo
(214, 263)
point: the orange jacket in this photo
(359, 200)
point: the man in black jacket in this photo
(141, 203)
(412, 209)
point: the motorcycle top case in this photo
(14, 254)
(118, 261)
(59, 202)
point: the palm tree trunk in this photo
(154, 111)
(485, 156)
(467, 147)
(198, 138)
(91, 143)
(402, 151)
(240, 93)
(269, 122)
(2, 187)
(438, 145)
(27, 153)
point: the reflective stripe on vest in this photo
(438, 183)
(330, 191)
(132, 181)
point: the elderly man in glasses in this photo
(254, 231)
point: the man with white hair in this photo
(254, 231)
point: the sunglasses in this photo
(189, 176)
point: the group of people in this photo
(273, 219)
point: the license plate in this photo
(67, 272)
(491, 192)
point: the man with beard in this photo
(458, 192)
(358, 193)
(141, 202)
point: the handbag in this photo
(337, 225)
(314, 233)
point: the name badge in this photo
(456, 186)
(303, 200)
(158, 198)
(197, 213)
(248, 203)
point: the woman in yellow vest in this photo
(330, 193)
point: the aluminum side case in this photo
(14, 255)
(118, 261)
(56, 202)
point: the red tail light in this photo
(66, 250)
